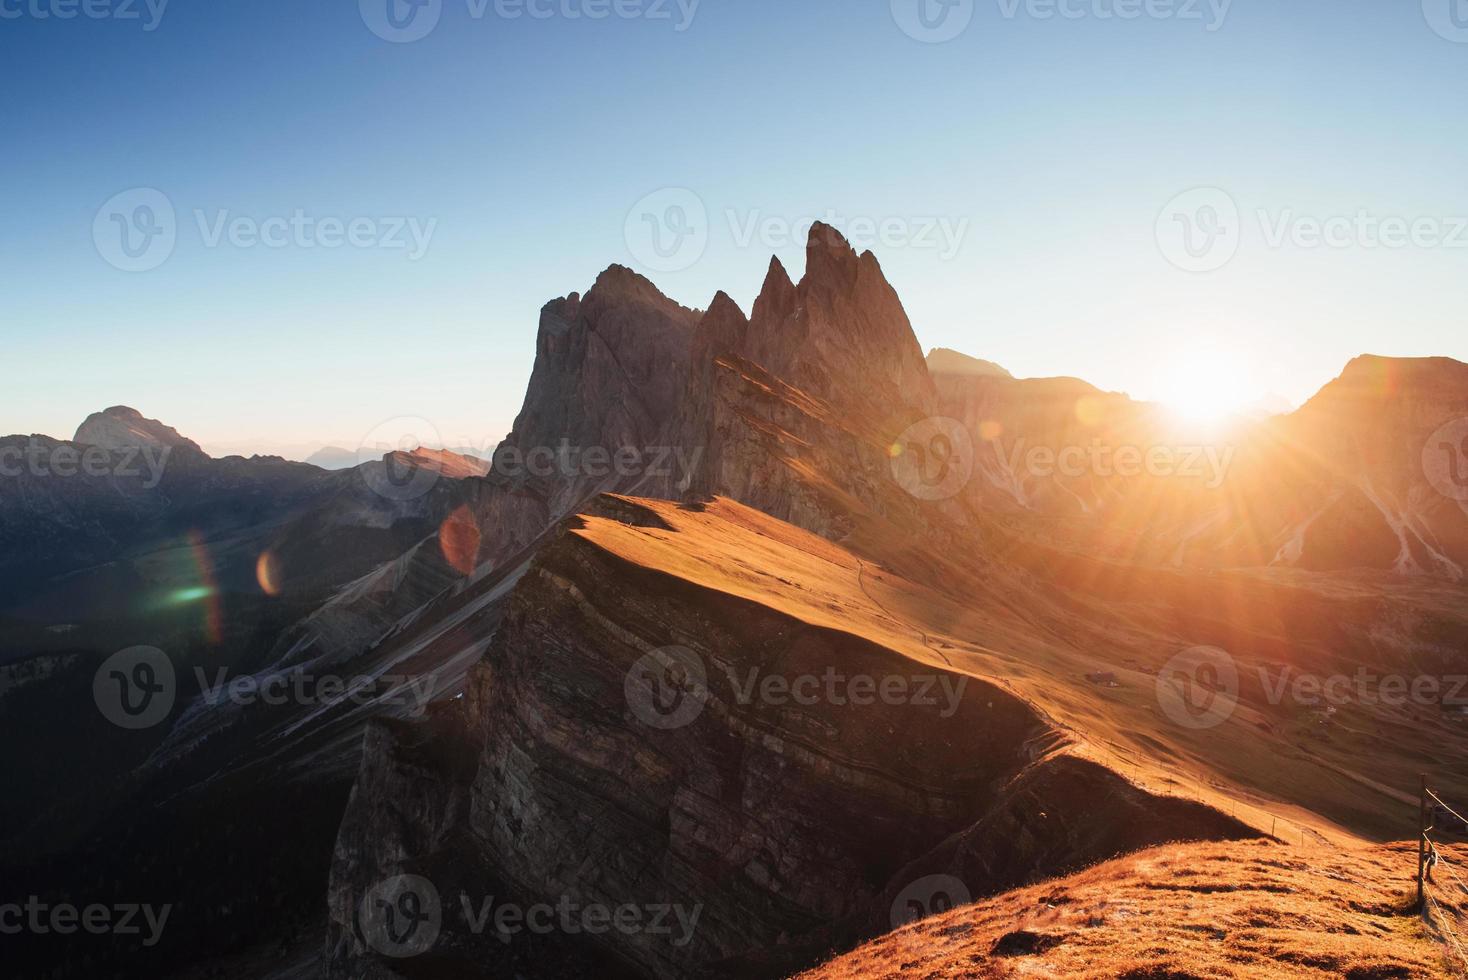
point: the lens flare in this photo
(207, 590)
(1090, 411)
(458, 538)
(267, 573)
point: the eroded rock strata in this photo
(791, 826)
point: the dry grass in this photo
(1245, 909)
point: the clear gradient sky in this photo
(1057, 140)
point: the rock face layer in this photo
(654, 725)
(841, 334)
(610, 369)
(792, 409)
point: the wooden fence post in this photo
(1422, 846)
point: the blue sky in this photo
(1054, 144)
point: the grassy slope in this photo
(1245, 909)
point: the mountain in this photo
(120, 428)
(609, 368)
(333, 458)
(90, 520)
(780, 817)
(842, 327)
(783, 821)
(1350, 481)
(212, 563)
(456, 466)
(1382, 486)
(762, 619)
(942, 361)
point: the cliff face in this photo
(654, 724)
(793, 410)
(610, 370)
(805, 408)
(841, 334)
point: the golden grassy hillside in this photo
(1243, 909)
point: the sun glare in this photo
(1206, 386)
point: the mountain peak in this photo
(828, 254)
(445, 462)
(827, 236)
(777, 296)
(121, 427)
(841, 333)
(723, 328)
(1374, 378)
(620, 288)
(942, 360)
(723, 305)
(619, 281)
(1368, 366)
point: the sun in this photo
(1206, 385)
